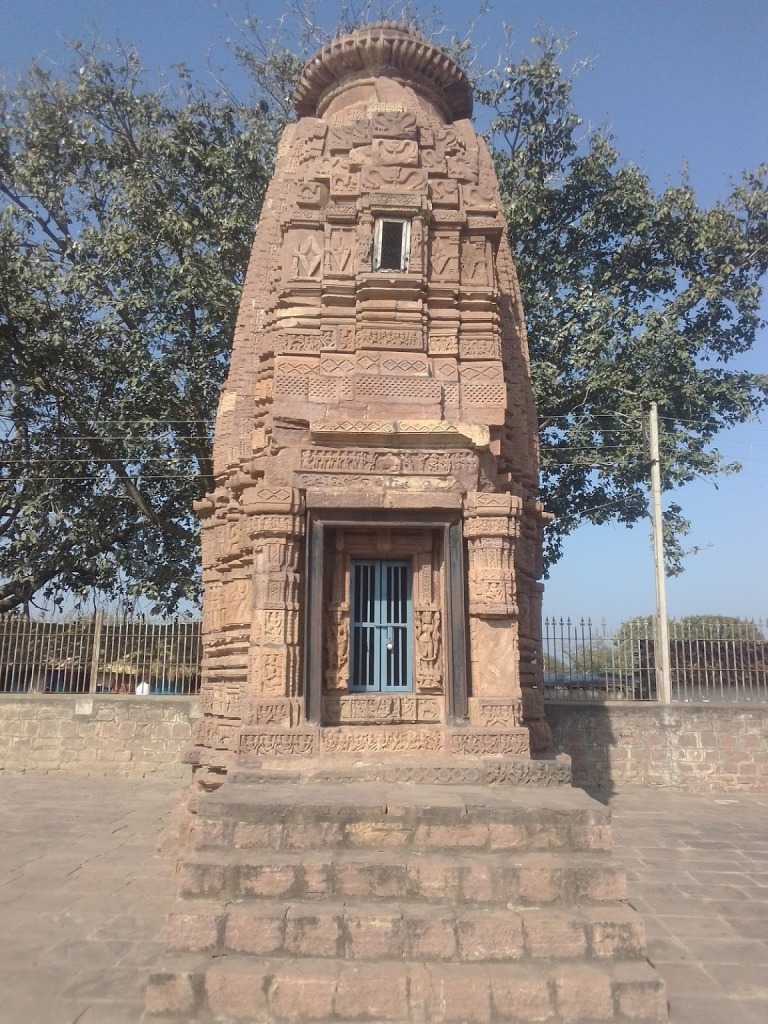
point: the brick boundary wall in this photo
(699, 748)
(136, 737)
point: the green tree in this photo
(127, 217)
(630, 297)
(693, 627)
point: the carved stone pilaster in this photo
(491, 528)
(276, 530)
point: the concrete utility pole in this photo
(661, 631)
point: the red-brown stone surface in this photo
(380, 376)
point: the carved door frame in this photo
(319, 521)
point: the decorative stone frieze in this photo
(381, 709)
(379, 740)
(510, 742)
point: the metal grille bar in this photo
(712, 660)
(97, 655)
(380, 628)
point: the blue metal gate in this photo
(381, 645)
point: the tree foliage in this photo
(693, 627)
(630, 297)
(127, 215)
(128, 212)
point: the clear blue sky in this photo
(677, 81)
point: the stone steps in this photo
(391, 930)
(297, 817)
(497, 878)
(403, 904)
(264, 990)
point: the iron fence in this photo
(99, 655)
(711, 660)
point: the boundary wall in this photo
(699, 748)
(136, 737)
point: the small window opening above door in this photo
(391, 245)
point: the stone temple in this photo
(379, 831)
(372, 550)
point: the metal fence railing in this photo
(99, 655)
(712, 660)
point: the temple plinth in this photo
(372, 549)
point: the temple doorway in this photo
(381, 649)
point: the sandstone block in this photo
(461, 995)
(553, 935)
(193, 930)
(210, 833)
(479, 883)
(431, 937)
(451, 837)
(196, 879)
(374, 936)
(520, 995)
(379, 834)
(267, 880)
(317, 879)
(507, 836)
(353, 880)
(600, 881)
(296, 994)
(309, 933)
(376, 992)
(592, 837)
(583, 993)
(488, 935)
(254, 929)
(237, 994)
(311, 835)
(170, 993)
(640, 992)
(616, 932)
(438, 880)
(539, 882)
(257, 836)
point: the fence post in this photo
(661, 631)
(98, 619)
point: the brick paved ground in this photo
(83, 896)
(697, 868)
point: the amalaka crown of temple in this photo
(385, 49)
(372, 548)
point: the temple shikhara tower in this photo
(372, 550)
(379, 831)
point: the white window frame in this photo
(405, 251)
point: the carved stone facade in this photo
(372, 548)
